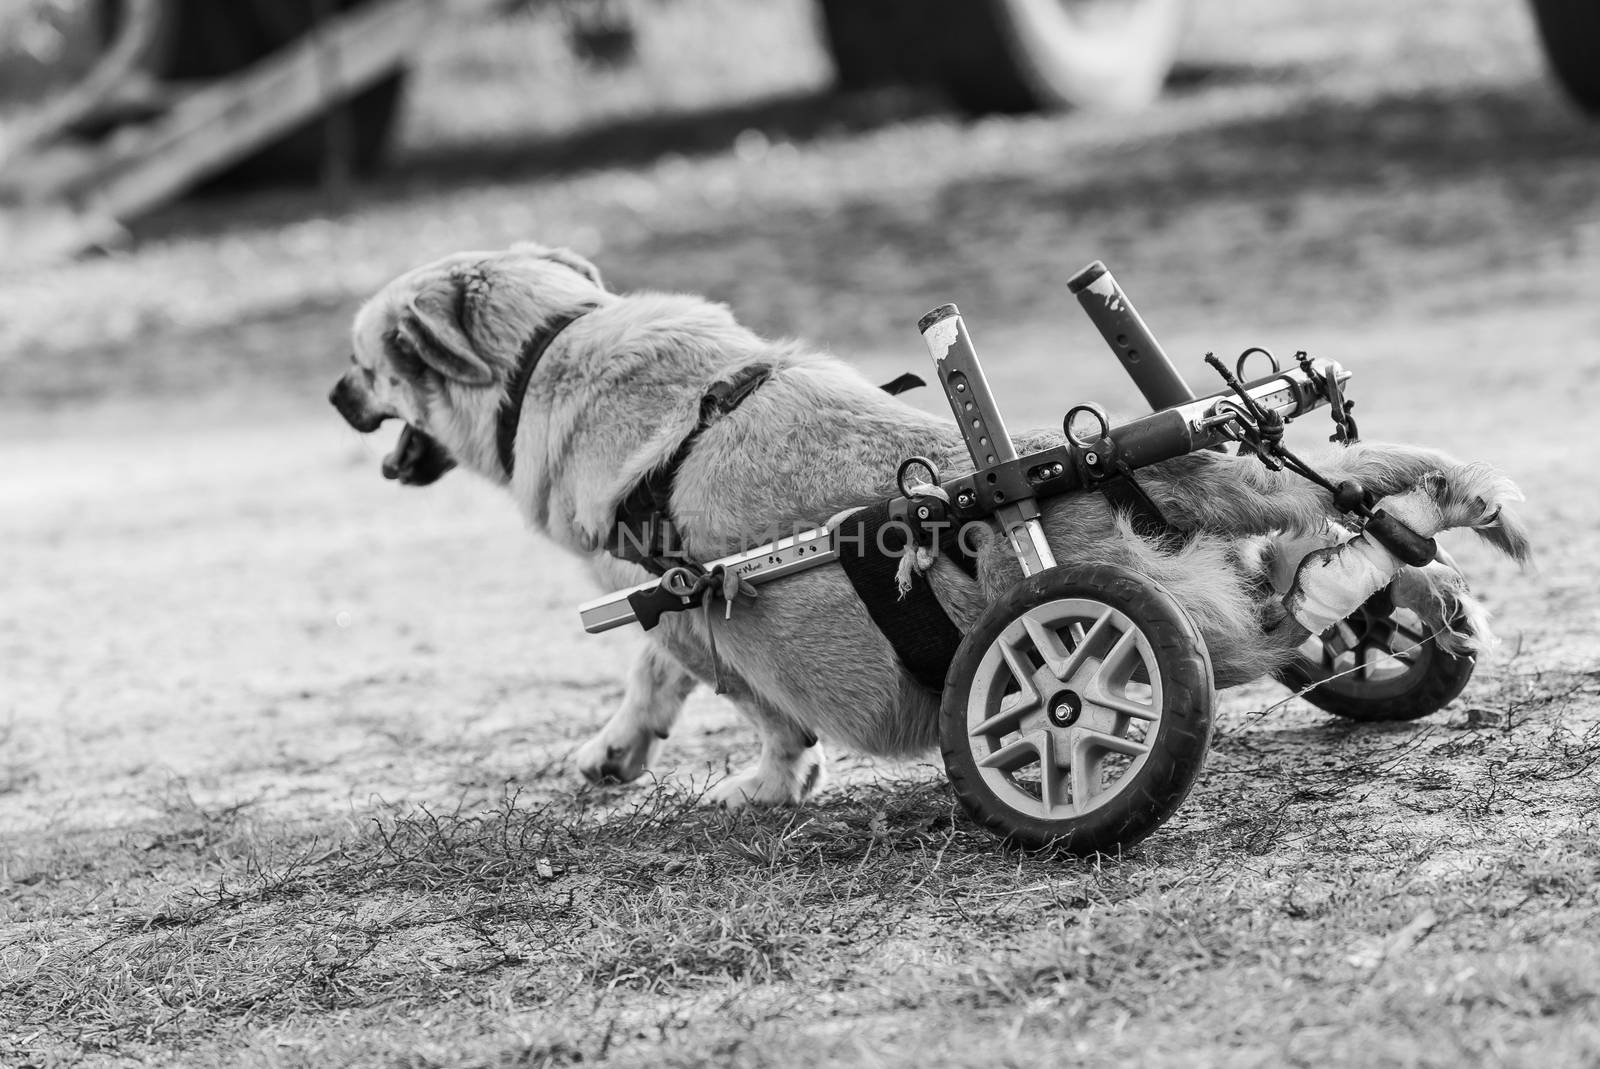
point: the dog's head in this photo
(437, 349)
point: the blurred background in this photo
(1239, 165)
(206, 571)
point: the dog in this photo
(619, 385)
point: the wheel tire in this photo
(880, 42)
(1135, 644)
(1009, 55)
(209, 40)
(1046, 55)
(1570, 30)
(1430, 679)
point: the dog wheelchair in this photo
(1077, 710)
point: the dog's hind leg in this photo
(1222, 583)
(1467, 495)
(623, 749)
(790, 769)
(1237, 495)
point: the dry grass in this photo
(278, 788)
(1332, 893)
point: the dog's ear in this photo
(431, 324)
(568, 258)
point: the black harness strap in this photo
(643, 531)
(1124, 494)
(901, 383)
(533, 351)
(923, 636)
(1127, 496)
(871, 544)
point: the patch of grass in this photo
(1297, 906)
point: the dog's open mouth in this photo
(417, 459)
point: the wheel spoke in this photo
(1085, 773)
(1336, 641)
(1062, 662)
(1333, 638)
(1097, 695)
(1088, 751)
(1408, 636)
(1052, 788)
(1115, 670)
(1013, 707)
(1116, 659)
(1018, 753)
(1378, 654)
(1112, 743)
(1034, 748)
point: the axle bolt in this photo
(1091, 458)
(1065, 709)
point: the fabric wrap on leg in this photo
(1332, 583)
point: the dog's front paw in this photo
(613, 757)
(770, 783)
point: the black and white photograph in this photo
(766, 533)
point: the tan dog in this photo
(617, 390)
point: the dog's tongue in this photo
(404, 455)
(417, 459)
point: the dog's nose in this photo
(351, 408)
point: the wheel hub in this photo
(1065, 708)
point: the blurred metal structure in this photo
(189, 90)
(61, 194)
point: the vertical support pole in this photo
(1124, 329)
(978, 417)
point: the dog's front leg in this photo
(657, 688)
(790, 769)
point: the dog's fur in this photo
(620, 388)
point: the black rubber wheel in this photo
(882, 42)
(209, 39)
(1378, 664)
(1570, 30)
(1077, 712)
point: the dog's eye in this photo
(370, 377)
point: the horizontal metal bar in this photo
(797, 553)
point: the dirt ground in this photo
(260, 707)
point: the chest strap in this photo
(643, 531)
